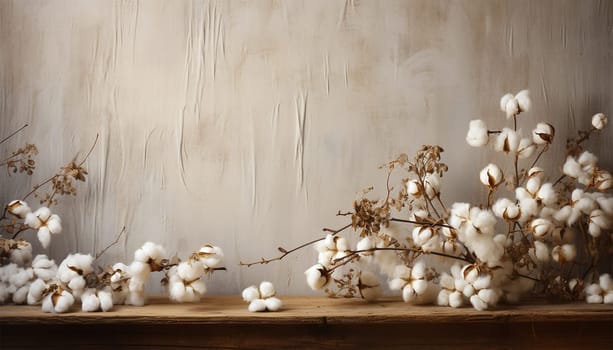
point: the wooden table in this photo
(310, 322)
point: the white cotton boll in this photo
(136, 298)
(443, 297)
(605, 282)
(482, 282)
(604, 181)
(564, 253)
(267, 290)
(20, 296)
(273, 304)
(506, 209)
(572, 168)
(419, 286)
(58, 302)
(19, 208)
(370, 287)
(541, 251)
(529, 208)
(316, 276)
(543, 134)
(414, 188)
(327, 244)
(541, 227)
(468, 291)
(139, 271)
(213, 256)
(22, 254)
(408, 294)
(489, 296)
(459, 214)
(44, 268)
(526, 148)
(491, 176)
(504, 100)
(251, 293)
(511, 108)
(469, 273)
(32, 221)
(547, 194)
(533, 185)
(35, 292)
(365, 243)
(594, 299)
(598, 221)
(106, 300)
(585, 205)
(608, 298)
(477, 133)
(599, 121)
(149, 251)
(606, 204)
(189, 270)
(507, 141)
(76, 284)
(199, 287)
(456, 299)
(523, 100)
(177, 291)
(446, 281)
(421, 235)
(536, 172)
(484, 220)
(397, 283)
(257, 305)
(433, 185)
(54, 224)
(419, 270)
(43, 213)
(90, 303)
(587, 160)
(325, 257)
(478, 303)
(21, 277)
(563, 214)
(44, 236)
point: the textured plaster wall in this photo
(248, 124)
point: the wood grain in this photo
(311, 322)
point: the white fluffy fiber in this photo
(19, 208)
(601, 292)
(44, 268)
(599, 121)
(317, 276)
(46, 224)
(184, 284)
(262, 298)
(72, 271)
(96, 300)
(211, 256)
(58, 302)
(477, 133)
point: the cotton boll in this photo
(608, 298)
(541, 251)
(526, 148)
(408, 294)
(32, 221)
(199, 287)
(512, 108)
(369, 285)
(35, 292)
(504, 100)
(257, 305)
(273, 304)
(594, 299)
(432, 184)
(489, 296)
(482, 282)
(149, 251)
(19, 208)
(504, 208)
(44, 236)
(317, 277)
(251, 293)
(572, 168)
(541, 227)
(529, 209)
(419, 286)
(456, 299)
(606, 204)
(414, 189)
(477, 133)
(605, 282)
(397, 283)
(603, 181)
(136, 298)
(491, 176)
(564, 253)
(547, 194)
(507, 141)
(58, 302)
(478, 303)
(523, 100)
(468, 291)
(443, 297)
(597, 221)
(599, 121)
(21, 277)
(190, 270)
(20, 296)
(267, 290)
(22, 254)
(106, 300)
(90, 302)
(44, 268)
(211, 256)
(543, 134)
(365, 243)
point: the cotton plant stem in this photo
(424, 223)
(287, 252)
(13, 134)
(123, 230)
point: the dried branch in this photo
(13, 134)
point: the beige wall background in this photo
(248, 124)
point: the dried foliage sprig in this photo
(528, 235)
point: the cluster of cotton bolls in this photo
(530, 230)
(42, 220)
(58, 288)
(262, 298)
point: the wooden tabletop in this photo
(310, 322)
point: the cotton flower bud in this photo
(564, 253)
(19, 208)
(477, 133)
(369, 286)
(491, 176)
(507, 141)
(599, 121)
(541, 227)
(526, 148)
(543, 134)
(317, 276)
